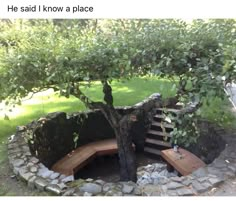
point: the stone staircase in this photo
(158, 136)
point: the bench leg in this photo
(169, 168)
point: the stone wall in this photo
(51, 137)
(153, 179)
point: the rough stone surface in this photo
(54, 175)
(215, 181)
(68, 179)
(31, 182)
(41, 183)
(26, 175)
(200, 188)
(174, 185)
(54, 189)
(18, 162)
(91, 188)
(127, 188)
(185, 192)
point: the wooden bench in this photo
(183, 161)
(80, 157)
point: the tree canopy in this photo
(66, 54)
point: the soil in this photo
(11, 186)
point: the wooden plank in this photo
(183, 161)
(164, 124)
(158, 142)
(158, 133)
(80, 157)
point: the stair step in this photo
(158, 142)
(168, 110)
(166, 125)
(158, 133)
(152, 151)
(160, 116)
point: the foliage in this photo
(67, 55)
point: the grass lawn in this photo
(125, 93)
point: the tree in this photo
(66, 56)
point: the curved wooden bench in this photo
(183, 161)
(80, 157)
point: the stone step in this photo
(171, 110)
(162, 124)
(152, 151)
(159, 116)
(157, 142)
(158, 133)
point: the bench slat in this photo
(78, 158)
(183, 161)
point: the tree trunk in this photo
(127, 159)
(128, 166)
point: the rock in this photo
(149, 168)
(202, 179)
(137, 191)
(34, 160)
(18, 162)
(219, 163)
(232, 168)
(99, 181)
(229, 174)
(89, 180)
(13, 151)
(145, 179)
(54, 181)
(148, 190)
(44, 172)
(113, 193)
(91, 188)
(185, 192)
(167, 174)
(62, 176)
(54, 175)
(154, 175)
(127, 188)
(160, 180)
(25, 149)
(41, 183)
(158, 167)
(33, 169)
(69, 192)
(68, 179)
(62, 186)
(177, 179)
(174, 185)
(13, 146)
(29, 164)
(200, 188)
(214, 171)
(54, 189)
(31, 184)
(26, 175)
(16, 170)
(201, 172)
(108, 186)
(87, 194)
(172, 193)
(215, 181)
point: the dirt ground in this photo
(11, 186)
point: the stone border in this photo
(150, 180)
